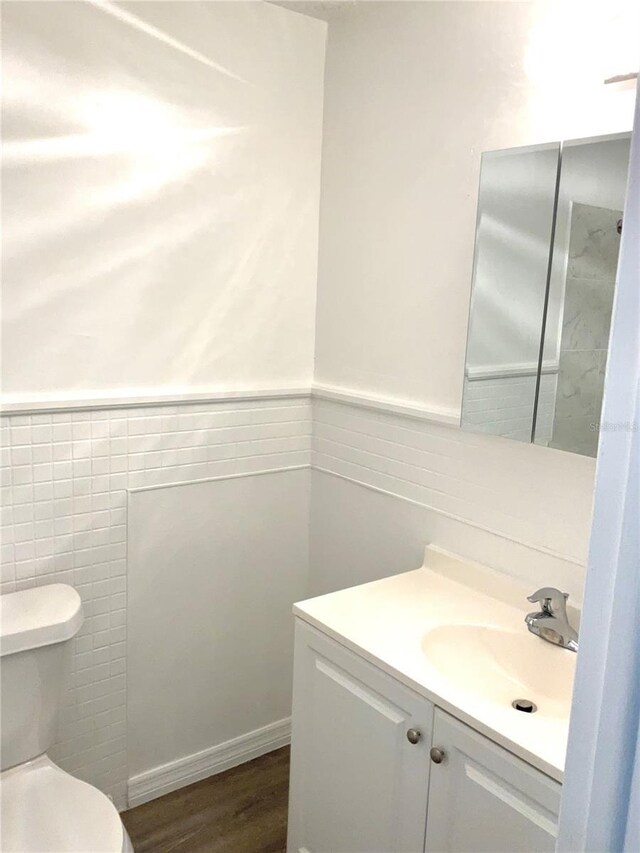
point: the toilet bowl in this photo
(43, 808)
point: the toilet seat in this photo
(45, 810)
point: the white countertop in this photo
(387, 621)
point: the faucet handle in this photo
(552, 600)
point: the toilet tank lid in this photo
(38, 617)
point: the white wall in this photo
(193, 283)
(160, 196)
(415, 91)
(214, 569)
(146, 251)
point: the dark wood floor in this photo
(243, 810)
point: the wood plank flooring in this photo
(243, 810)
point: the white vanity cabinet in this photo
(357, 783)
(483, 798)
(362, 780)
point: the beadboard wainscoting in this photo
(65, 478)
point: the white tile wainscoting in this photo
(66, 476)
(503, 405)
(64, 519)
(522, 508)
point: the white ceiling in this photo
(326, 10)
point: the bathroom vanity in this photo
(404, 733)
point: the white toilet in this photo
(44, 809)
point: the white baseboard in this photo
(176, 774)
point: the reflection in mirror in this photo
(511, 264)
(582, 282)
(547, 241)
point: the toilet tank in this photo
(36, 627)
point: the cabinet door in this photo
(358, 785)
(482, 798)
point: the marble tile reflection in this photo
(588, 303)
(580, 383)
(580, 435)
(594, 243)
(579, 400)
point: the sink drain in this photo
(525, 706)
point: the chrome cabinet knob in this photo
(437, 755)
(413, 735)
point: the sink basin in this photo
(497, 666)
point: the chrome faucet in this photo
(551, 622)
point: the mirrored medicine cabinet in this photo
(547, 239)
